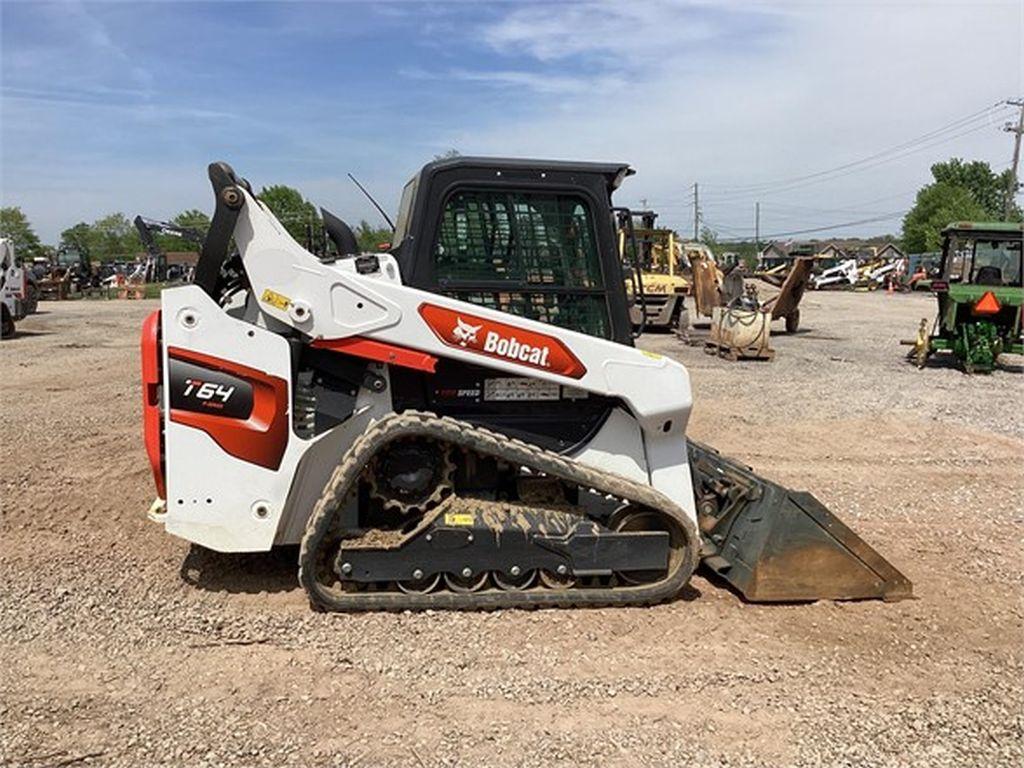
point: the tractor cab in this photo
(980, 291)
(982, 254)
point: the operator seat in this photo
(988, 275)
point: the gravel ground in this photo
(120, 645)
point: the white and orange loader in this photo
(427, 449)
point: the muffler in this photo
(772, 544)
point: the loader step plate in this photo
(504, 547)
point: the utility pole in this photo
(1018, 129)
(757, 226)
(696, 213)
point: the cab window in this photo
(529, 253)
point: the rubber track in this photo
(420, 424)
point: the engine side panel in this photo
(225, 502)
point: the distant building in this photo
(783, 251)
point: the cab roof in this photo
(1000, 227)
(613, 173)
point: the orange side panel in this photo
(151, 419)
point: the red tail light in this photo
(940, 286)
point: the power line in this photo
(860, 169)
(962, 122)
(810, 230)
(925, 141)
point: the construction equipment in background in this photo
(462, 422)
(920, 270)
(980, 291)
(713, 288)
(741, 330)
(155, 269)
(785, 305)
(69, 274)
(12, 287)
(842, 275)
(879, 272)
(659, 297)
(18, 290)
(710, 287)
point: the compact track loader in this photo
(463, 421)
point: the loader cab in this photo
(529, 237)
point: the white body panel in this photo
(228, 504)
(12, 281)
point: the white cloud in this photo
(632, 30)
(539, 82)
(763, 91)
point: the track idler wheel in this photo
(629, 520)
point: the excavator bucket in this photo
(772, 544)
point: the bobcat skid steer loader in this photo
(463, 421)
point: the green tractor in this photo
(980, 292)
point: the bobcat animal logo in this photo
(464, 333)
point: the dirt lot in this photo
(121, 646)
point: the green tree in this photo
(15, 226)
(709, 237)
(77, 239)
(291, 209)
(113, 237)
(936, 206)
(987, 188)
(370, 237)
(193, 219)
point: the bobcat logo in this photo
(464, 333)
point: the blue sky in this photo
(120, 106)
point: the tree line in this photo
(114, 237)
(959, 191)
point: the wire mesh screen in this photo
(519, 237)
(523, 239)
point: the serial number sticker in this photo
(574, 393)
(517, 389)
(275, 299)
(458, 518)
